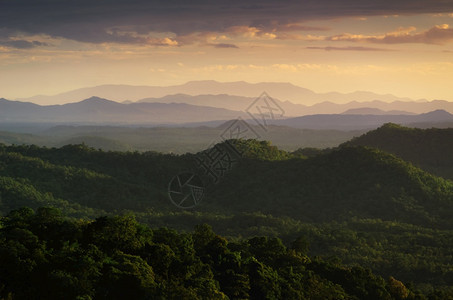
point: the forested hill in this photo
(44, 256)
(344, 183)
(367, 207)
(430, 149)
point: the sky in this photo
(400, 47)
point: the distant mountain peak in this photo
(96, 100)
(438, 112)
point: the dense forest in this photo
(430, 149)
(346, 223)
(44, 256)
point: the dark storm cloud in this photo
(127, 21)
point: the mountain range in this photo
(374, 111)
(355, 121)
(98, 110)
(280, 90)
(102, 111)
(374, 107)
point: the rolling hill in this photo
(430, 149)
(360, 122)
(414, 107)
(334, 186)
(362, 205)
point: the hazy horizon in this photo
(217, 81)
(402, 48)
(279, 90)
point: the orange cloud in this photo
(300, 37)
(348, 49)
(251, 32)
(439, 35)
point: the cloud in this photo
(223, 45)
(251, 32)
(440, 34)
(300, 37)
(162, 42)
(216, 39)
(22, 44)
(348, 49)
(299, 27)
(162, 23)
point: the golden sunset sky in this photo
(403, 48)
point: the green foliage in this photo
(89, 260)
(397, 289)
(337, 186)
(260, 150)
(364, 206)
(300, 245)
(429, 149)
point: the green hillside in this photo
(364, 206)
(44, 256)
(7, 137)
(337, 185)
(430, 149)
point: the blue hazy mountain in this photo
(98, 110)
